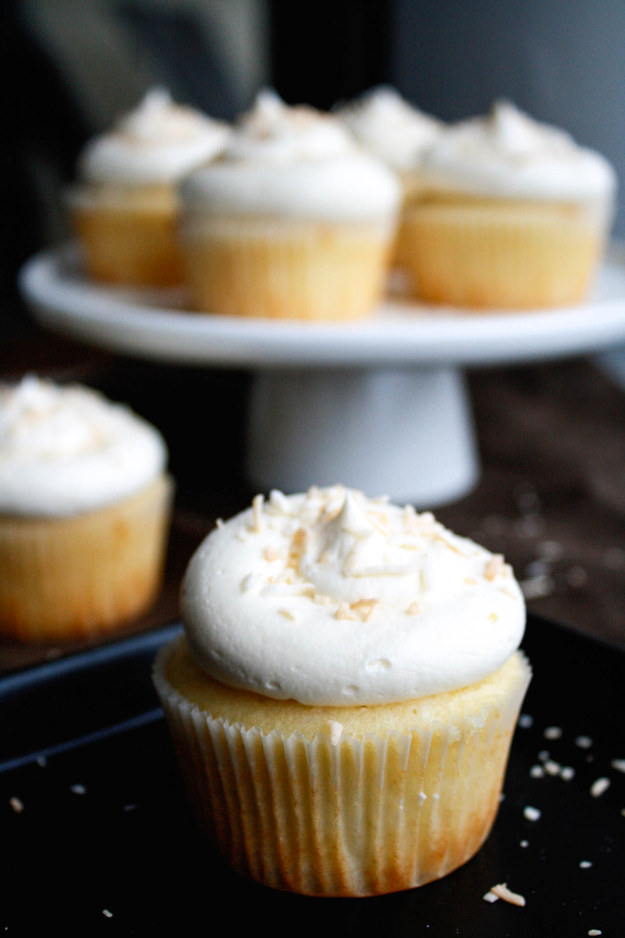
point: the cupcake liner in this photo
(496, 256)
(286, 269)
(337, 815)
(128, 238)
(68, 578)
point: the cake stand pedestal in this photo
(379, 405)
(405, 432)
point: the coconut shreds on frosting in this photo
(382, 603)
(293, 161)
(66, 449)
(390, 127)
(157, 142)
(508, 153)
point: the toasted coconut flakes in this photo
(287, 614)
(344, 612)
(599, 786)
(530, 813)
(321, 599)
(257, 508)
(298, 545)
(17, 804)
(413, 609)
(270, 554)
(495, 567)
(501, 891)
(364, 608)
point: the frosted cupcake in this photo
(344, 697)
(125, 205)
(84, 512)
(399, 134)
(516, 215)
(293, 221)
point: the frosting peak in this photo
(304, 595)
(157, 142)
(390, 127)
(507, 153)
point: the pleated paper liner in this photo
(334, 814)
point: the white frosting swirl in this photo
(331, 598)
(390, 127)
(158, 142)
(294, 162)
(508, 154)
(67, 449)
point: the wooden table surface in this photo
(551, 496)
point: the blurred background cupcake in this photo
(84, 512)
(293, 221)
(124, 206)
(516, 215)
(398, 133)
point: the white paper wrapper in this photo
(340, 816)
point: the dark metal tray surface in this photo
(98, 839)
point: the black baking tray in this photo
(97, 837)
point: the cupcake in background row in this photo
(399, 134)
(343, 700)
(84, 512)
(516, 215)
(293, 220)
(124, 205)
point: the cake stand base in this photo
(402, 432)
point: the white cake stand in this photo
(379, 405)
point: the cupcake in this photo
(125, 206)
(399, 134)
(293, 221)
(516, 215)
(84, 511)
(344, 693)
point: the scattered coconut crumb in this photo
(78, 789)
(585, 864)
(501, 891)
(595, 932)
(567, 772)
(543, 755)
(599, 786)
(584, 742)
(344, 612)
(525, 721)
(530, 813)
(537, 771)
(552, 768)
(524, 843)
(364, 608)
(413, 609)
(553, 732)
(537, 586)
(618, 764)
(107, 913)
(17, 804)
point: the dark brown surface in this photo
(551, 496)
